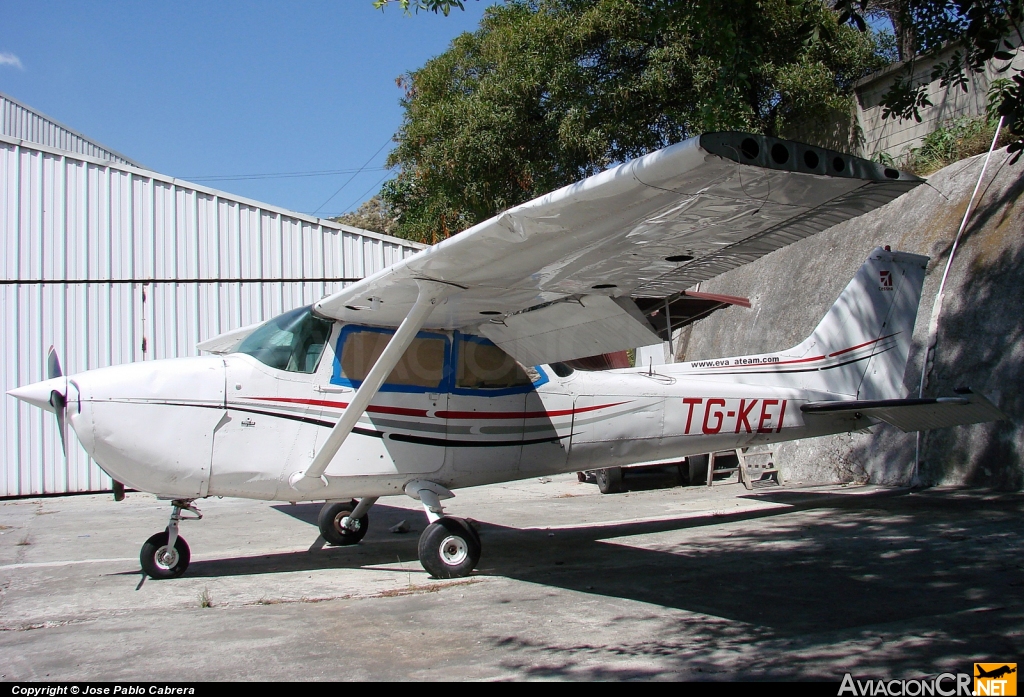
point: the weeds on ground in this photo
(204, 598)
(954, 140)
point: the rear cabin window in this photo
(421, 366)
(293, 341)
(483, 365)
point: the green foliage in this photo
(982, 32)
(435, 6)
(953, 141)
(374, 214)
(547, 92)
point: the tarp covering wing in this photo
(644, 230)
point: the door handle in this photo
(331, 388)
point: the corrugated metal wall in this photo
(98, 256)
(24, 123)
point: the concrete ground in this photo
(673, 583)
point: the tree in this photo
(980, 31)
(547, 92)
(373, 214)
(442, 6)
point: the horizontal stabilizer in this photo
(916, 414)
(228, 341)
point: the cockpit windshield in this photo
(293, 341)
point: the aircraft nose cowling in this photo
(151, 425)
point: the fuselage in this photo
(456, 411)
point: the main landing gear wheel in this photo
(337, 526)
(609, 481)
(160, 560)
(449, 548)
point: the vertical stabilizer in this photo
(858, 350)
(864, 340)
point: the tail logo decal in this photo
(885, 280)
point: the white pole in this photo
(933, 323)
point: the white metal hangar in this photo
(110, 263)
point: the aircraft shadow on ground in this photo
(846, 561)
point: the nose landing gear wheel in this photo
(449, 548)
(159, 560)
(332, 524)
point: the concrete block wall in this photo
(981, 331)
(895, 137)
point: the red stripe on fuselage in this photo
(520, 414)
(394, 411)
(470, 415)
(854, 348)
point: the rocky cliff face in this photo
(980, 336)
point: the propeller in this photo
(52, 395)
(58, 400)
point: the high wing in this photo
(585, 269)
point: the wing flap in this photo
(595, 324)
(916, 414)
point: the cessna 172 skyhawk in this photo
(447, 369)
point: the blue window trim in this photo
(443, 386)
(447, 383)
(484, 391)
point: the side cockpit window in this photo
(422, 365)
(293, 341)
(482, 365)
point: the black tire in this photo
(330, 519)
(447, 550)
(157, 564)
(470, 529)
(698, 466)
(609, 481)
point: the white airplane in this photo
(447, 369)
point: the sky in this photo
(200, 90)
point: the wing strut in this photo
(429, 295)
